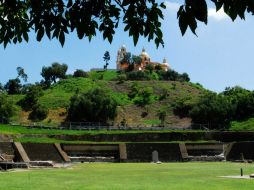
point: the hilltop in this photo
(57, 98)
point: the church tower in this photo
(120, 55)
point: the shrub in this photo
(121, 78)
(7, 108)
(38, 113)
(80, 73)
(94, 105)
(137, 75)
(144, 96)
(13, 86)
(214, 110)
(32, 96)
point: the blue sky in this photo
(219, 57)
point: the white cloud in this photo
(219, 15)
(212, 14)
(171, 6)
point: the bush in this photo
(137, 75)
(38, 113)
(214, 110)
(7, 108)
(32, 96)
(80, 73)
(144, 96)
(182, 107)
(13, 86)
(121, 78)
(94, 105)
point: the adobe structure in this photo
(145, 60)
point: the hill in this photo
(164, 95)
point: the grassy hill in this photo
(57, 99)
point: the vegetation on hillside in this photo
(139, 98)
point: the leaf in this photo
(40, 34)
(183, 22)
(135, 39)
(201, 11)
(62, 38)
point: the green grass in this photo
(57, 97)
(170, 176)
(247, 125)
(105, 75)
(15, 130)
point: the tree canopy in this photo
(54, 72)
(56, 18)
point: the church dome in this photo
(165, 62)
(144, 53)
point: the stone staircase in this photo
(184, 152)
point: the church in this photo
(145, 60)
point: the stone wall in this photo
(142, 152)
(241, 150)
(42, 152)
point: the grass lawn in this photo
(172, 176)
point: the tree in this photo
(13, 86)
(7, 109)
(31, 98)
(162, 116)
(80, 73)
(94, 105)
(106, 58)
(184, 77)
(22, 74)
(38, 113)
(144, 96)
(56, 18)
(242, 100)
(150, 68)
(54, 72)
(214, 110)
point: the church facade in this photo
(144, 58)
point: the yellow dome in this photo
(144, 53)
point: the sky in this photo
(221, 55)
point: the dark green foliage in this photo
(7, 108)
(54, 72)
(242, 100)
(106, 58)
(38, 113)
(57, 18)
(164, 94)
(214, 110)
(121, 78)
(94, 105)
(80, 73)
(31, 98)
(169, 75)
(143, 96)
(136, 59)
(22, 74)
(137, 75)
(182, 107)
(131, 60)
(158, 67)
(184, 77)
(13, 86)
(1, 87)
(149, 68)
(162, 116)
